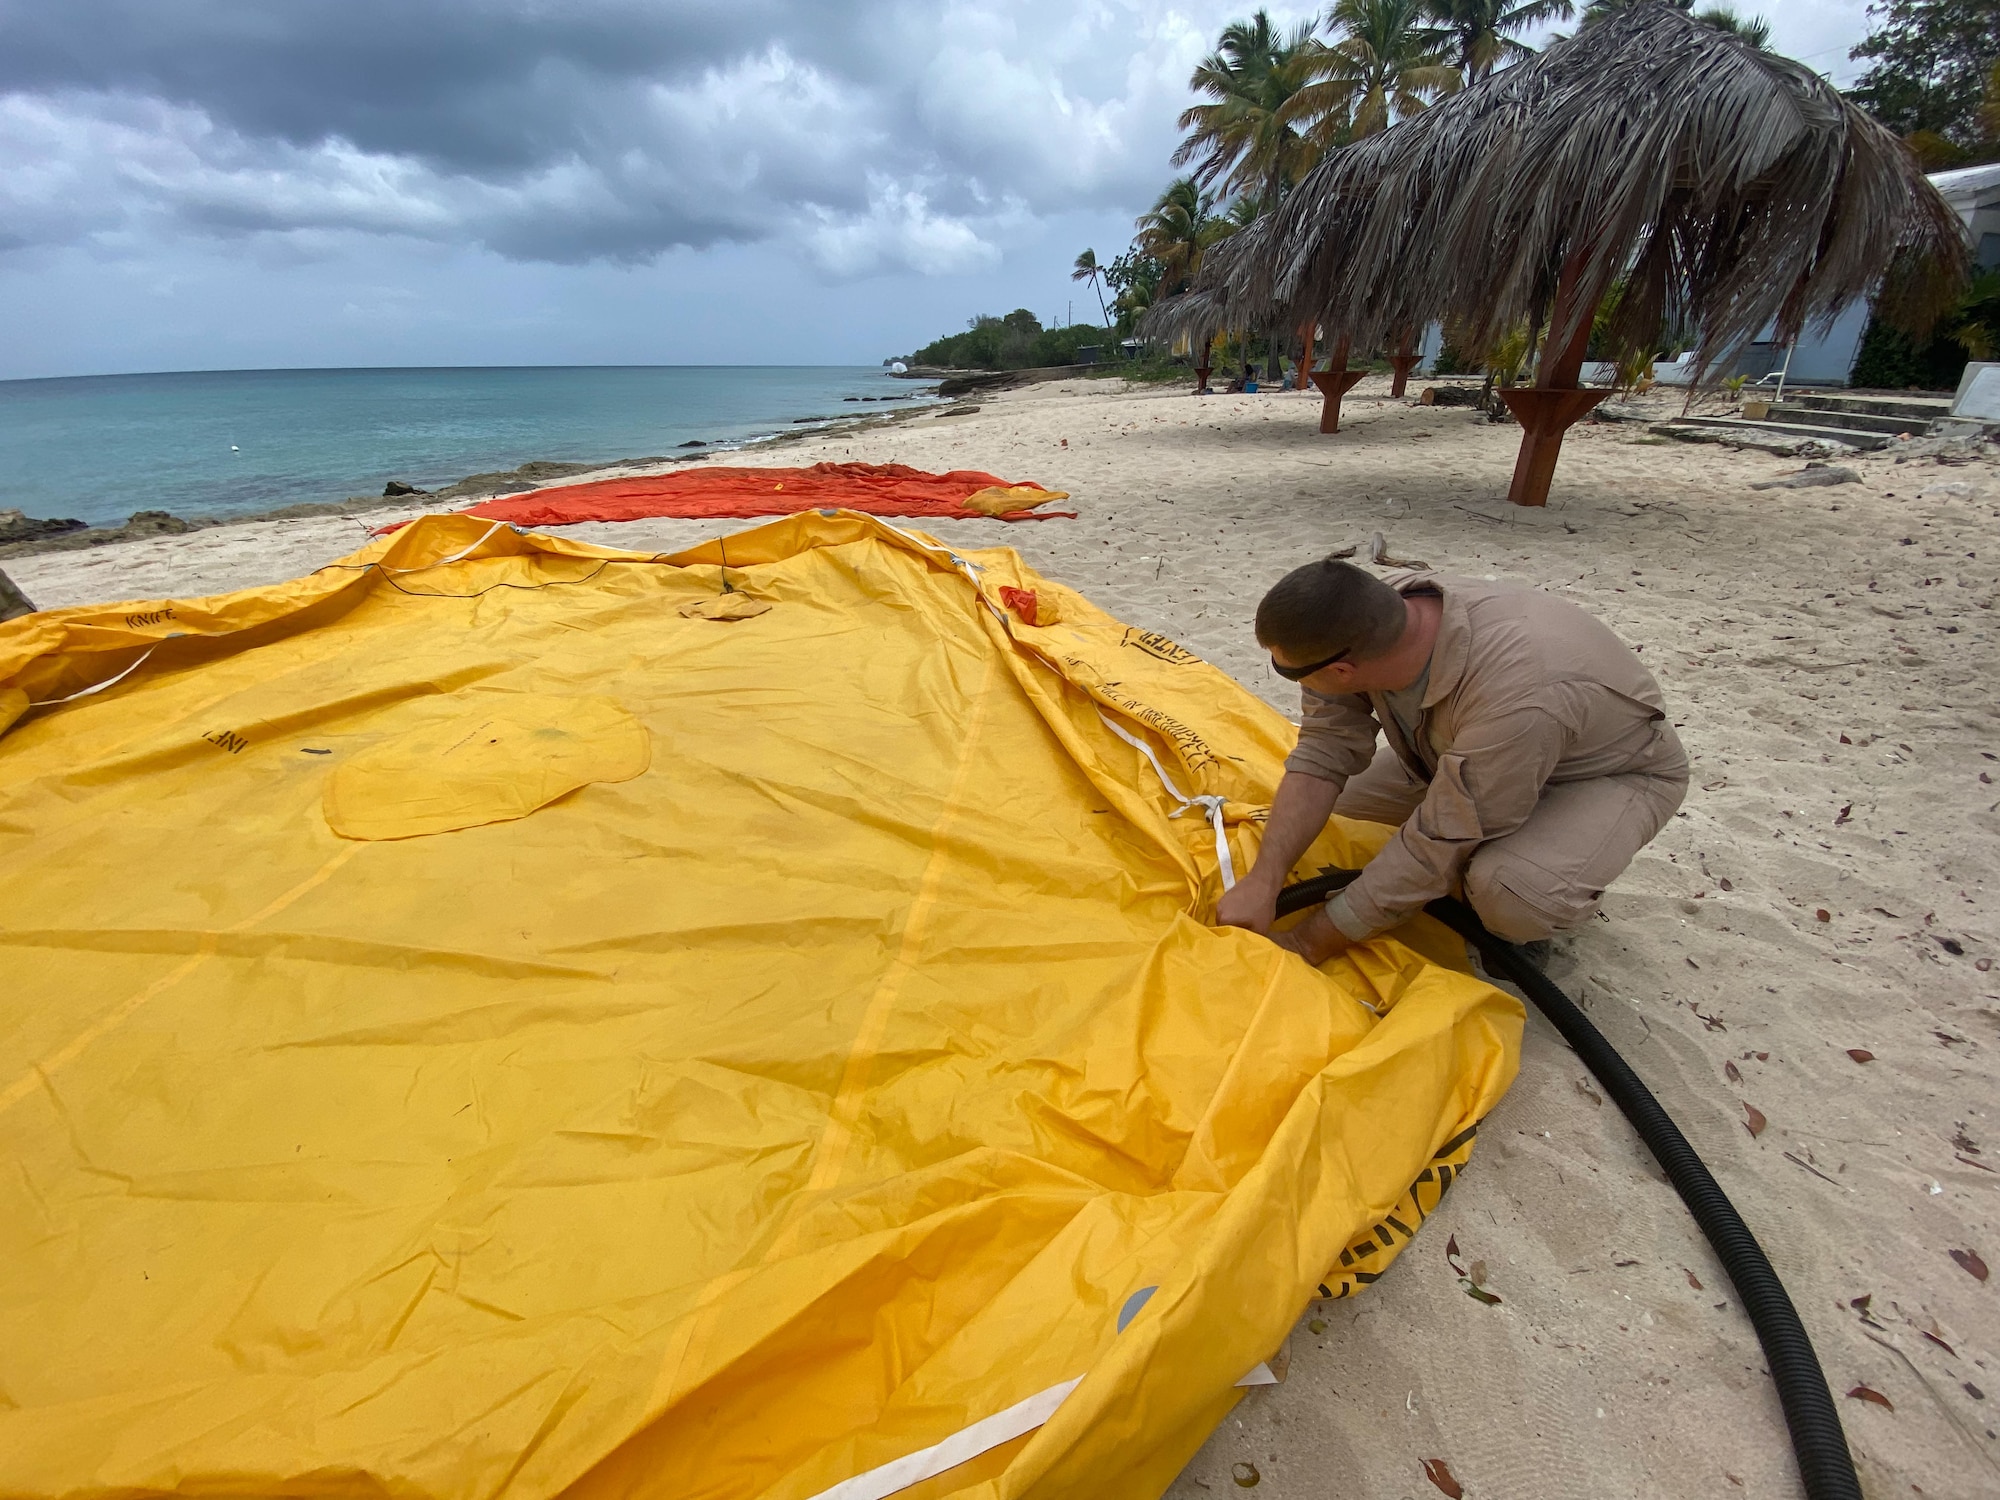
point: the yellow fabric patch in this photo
(1005, 499)
(732, 606)
(13, 703)
(501, 762)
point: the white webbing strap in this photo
(969, 1442)
(98, 687)
(1208, 802)
(966, 1443)
(966, 566)
(459, 556)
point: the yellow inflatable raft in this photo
(500, 1016)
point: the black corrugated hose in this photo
(1817, 1438)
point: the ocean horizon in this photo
(224, 443)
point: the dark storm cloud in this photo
(862, 132)
(479, 85)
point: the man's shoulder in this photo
(1486, 593)
(1532, 642)
(1492, 600)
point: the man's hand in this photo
(1315, 939)
(1251, 903)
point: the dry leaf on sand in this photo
(1436, 1471)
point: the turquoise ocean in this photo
(235, 442)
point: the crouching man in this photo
(1528, 753)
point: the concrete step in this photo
(1857, 421)
(1772, 436)
(1905, 408)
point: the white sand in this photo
(1778, 623)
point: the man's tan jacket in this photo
(1525, 690)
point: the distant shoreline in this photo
(405, 370)
(472, 489)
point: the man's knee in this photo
(1522, 902)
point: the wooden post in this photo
(1403, 361)
(1335, 381)
(1306, 331)
(1546, 409)
(1202, 367)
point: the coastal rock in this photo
(1001, 380)
(69, 536)
(530, 475)
(693, 443)
(154, 523)
(15, 527)
(395, 489)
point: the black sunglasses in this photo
(1299, 674)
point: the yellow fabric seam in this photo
(839, 1134)
(689, 1343)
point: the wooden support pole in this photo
(1546, 409)
(1403, 361)
(1335, 381)
(1306, 331)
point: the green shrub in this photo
(1890, 360)
(1452, 360)
(1058, 346)
(1016, 342)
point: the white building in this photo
(1825, 359)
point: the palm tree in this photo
(1480, 35)
(1385, 63)
(1261, 132)
(1134, 279)
(1755, 30)
(1240, 215)
(1752, 29)
(1087, 269)
(1177, 231)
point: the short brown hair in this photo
(1327, 607)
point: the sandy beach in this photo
(1800, 966)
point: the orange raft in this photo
(873, 489)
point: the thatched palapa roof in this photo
(1728, 187)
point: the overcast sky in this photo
(226, 184)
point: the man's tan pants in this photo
(1548, 874)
